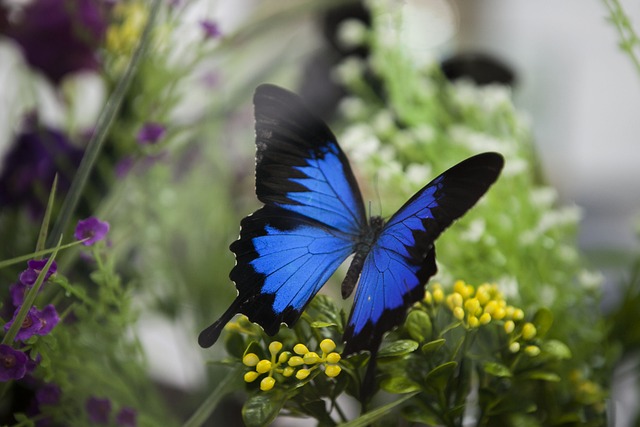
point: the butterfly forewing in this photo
(299, 164)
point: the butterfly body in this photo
(313, 218)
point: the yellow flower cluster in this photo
(475, 307)
(124, 33)
(301, 363)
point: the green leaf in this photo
(398, 348)
(399, 385)
(497, 369)
(318, 409)
(556, 349)
(235, 345)
(433, 346)
(542, 376)
(318, 325)
(261, 409)
(439, 376)
(376, 414)
(543, 319)
(418, 325)
(421, 414)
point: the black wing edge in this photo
(250, 300)
(286, 132)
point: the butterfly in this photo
(313, 218)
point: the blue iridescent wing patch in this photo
(313, 218)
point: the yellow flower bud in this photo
(332, 371)
(454, 300)
(528, 331)
(263, 366)
(491, 307)
(333, 357)
(438, 295)
(251, 376)
(459, 287)
(508, 312)
(473, 321)
(518, 314)
(509, 326)
(300, 349)
(275, 347)
(295, 361)
(483, 296)
(498, 313)
(472, 306)
(250, 359)
(428, 298)
(532, 350)
(327, 346)
(311, 358)
(284, 356)
(514, 347)
(458, 313)
(288, 371)
(485, 318)
(302, 374)
(267, 383)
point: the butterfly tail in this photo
(210, 335)
(368, 385)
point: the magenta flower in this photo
(13, 363)
(35, 266)
(91, 229)
(59, 37)
(151, 133)
(98, 409)
(211, 29)
(126, 417)
(35, 323)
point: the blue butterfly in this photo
(313, 218)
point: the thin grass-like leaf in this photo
(103, 126)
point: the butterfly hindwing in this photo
(403, 257)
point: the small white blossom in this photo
(418, 174)
(349, 70)
(474, 231)
(360, 141)
(352, 33)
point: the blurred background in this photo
(568, 76)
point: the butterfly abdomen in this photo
(363, 246)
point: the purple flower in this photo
(35, 266)
(35, 157)
(17, 291)
(151, 133)
(13, 363)
(59, 37)
(126, 417)
(211, 29)
(91, 229)
(98, 409)
(35, 323)
(48, 394)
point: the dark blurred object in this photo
(317, 88)
(57, 37)
(480, 68)
(37, 154)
